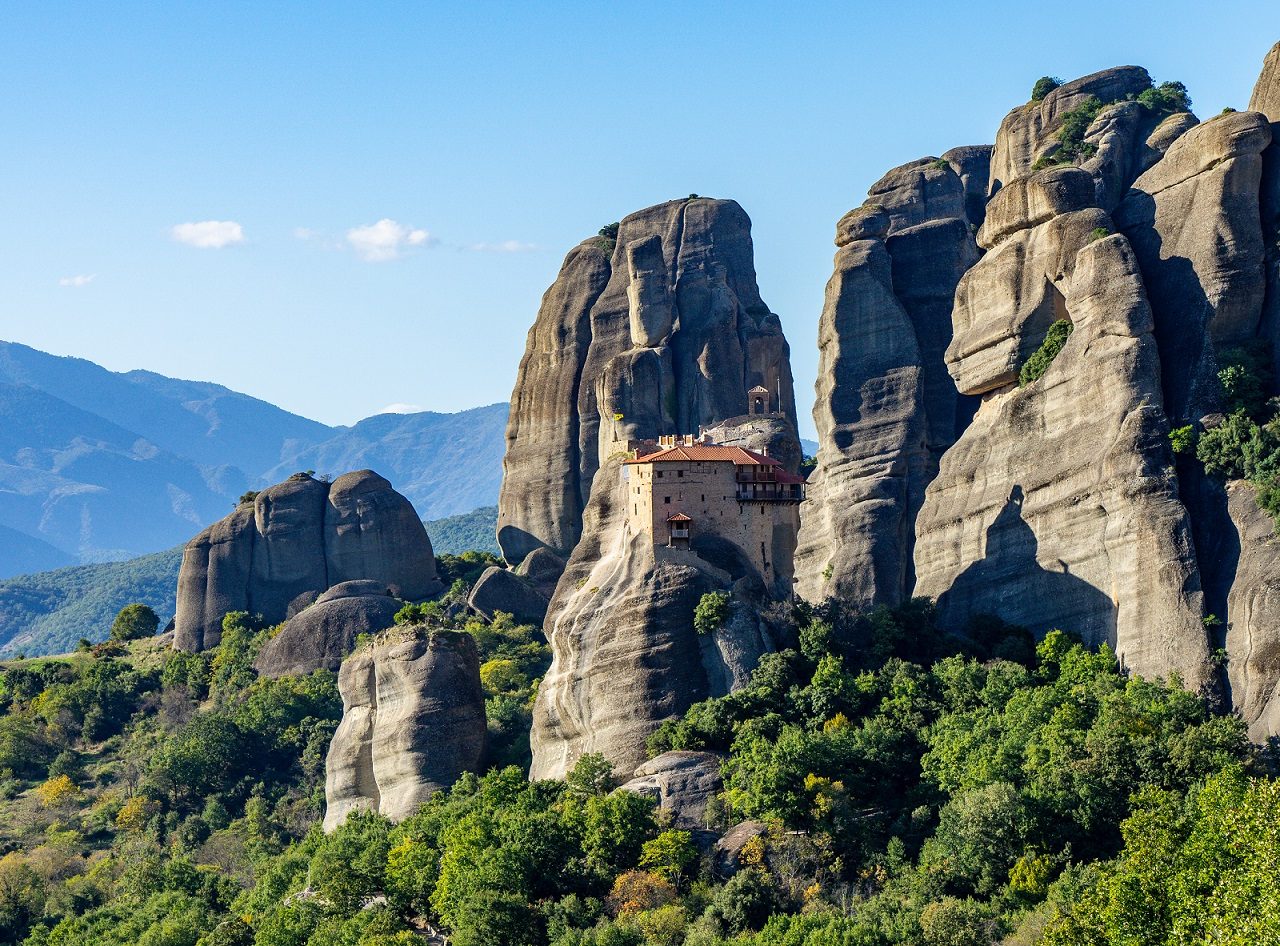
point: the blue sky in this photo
(392, 186)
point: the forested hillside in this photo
(891, 784)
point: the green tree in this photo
(134, 622)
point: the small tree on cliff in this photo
(134, 622)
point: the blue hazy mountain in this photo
(100, 466)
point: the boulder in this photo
(666, 337)
(1005, 304)
(540, 504)
(370, 531)
(886, 407)
(500, 589)
(542, 568)
(1030, 201)
(1266, 93)
(1253, 616)
(288, 553)
(681, 783)
(413, 721)
(1030, 131)
(868, 222)
(214, 579)
(277, 556)
(625, 655)
(1052, 506)
(727, 856)
(321, 635)
(1126, 139)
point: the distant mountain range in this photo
(48, 612)
(99, 466)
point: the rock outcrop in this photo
(1194, 221)
(413, 721)
(1253, 611)
(665, 334)
(1030, 131)
(682, 784)
(500, 589)
(294, 541)
(321, 634)
(1051, 507)
(886, 406)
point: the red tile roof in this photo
(679, 517)
(708, 452)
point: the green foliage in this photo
(608, 237)
(1044, 85)
(1098, 233)
(1072, 129)
(1183, 440)
(1167, 98)
(1039, 362)
(50, 611)
(473, 531)
(247, 497)
(914, 786)
(712, 612)
(134, 622)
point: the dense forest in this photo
(905, 786)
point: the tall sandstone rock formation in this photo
(886, 408)
(413, 721)
(659, 331)
(1060, 503)
(1051, 508)
(678, 336)
(278, 554)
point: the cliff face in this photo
(295, 541)
(886, 408)
(667, 334)
(1059, 504)
(412, 722)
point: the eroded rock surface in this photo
(886, 406)
(413, 721)
(297, 539)
(1253, 614)
(682, 783)
(666, 335)
(500, 589)
(1029, 132)
(1056, 501)
(320, 635)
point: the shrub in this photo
(1166, 98)
(1183, 439)
(1044, 85)
(1098, 233)
(134, 622)
(712, 612)
(1075, 124)
(1053, 343)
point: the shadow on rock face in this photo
(1009, 582)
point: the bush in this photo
(712, 612)
(1044, 85)
(1039, 362)
(1075, 124)
(1098, 233)
(1167, 98)
(1183, 439)
(134, 622)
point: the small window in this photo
(704, 497)
(666, 500)
(635, 510)
(659, 474)
(680, 474)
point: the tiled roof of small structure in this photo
(707, 452)
(679, 517)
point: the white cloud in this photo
(506, 246)
(385, 240)
(208, 234)
(77, 282)
(402, 409)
